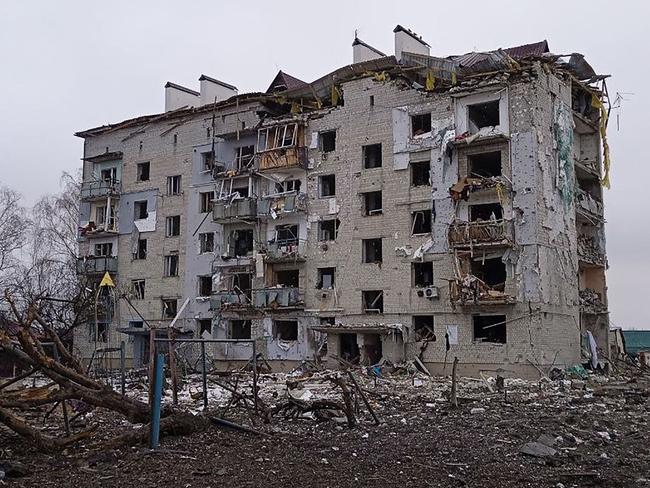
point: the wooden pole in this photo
(363, 397)
(454, 396)
(152, 352)
(205, 377)
(255, 375)
(172, 365)
(157, 400)
(123, 367)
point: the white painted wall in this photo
(175, 98)
(211, 90)
(407, 43)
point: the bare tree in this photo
(13, 233)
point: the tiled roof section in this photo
(534, 49)
(284, 81)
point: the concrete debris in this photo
(537, 449)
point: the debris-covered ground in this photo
(562, 433)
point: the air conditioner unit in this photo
(431, 292)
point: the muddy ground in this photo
(597, 431)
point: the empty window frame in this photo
(421, 222)
(420, 124)
(490, 270)
(171, 265)
(327, 140)
(423, 328)
(372, 203)
(328, 229)
(109, 175)
(169, 307)
(239, 329)
(243, 157)
(371, 250)
(136, 324)
(207, 160)
(327, 320)
(141, 250)
(373, 301)
(204, 325)
(206, 242)
(240, 243)
(482, 115)
(289, 278)
(174, 185)
(142, 171)
(277, 137)
(422, 274)
(100, 214)
(490, 328)
(104, 250)
(420, 173)
(349, 348)
(205, 201)
(288, 186)
(140, 210)
(138, 289)
(285, 330)
(242, 283)
(204, 284)
(371, 156)
(102, 332)
(484, 164)
(326, 278)
(485, 212)
(327, 186)
(173, 226)
(286, 234)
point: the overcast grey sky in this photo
(71, 65)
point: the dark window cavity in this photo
(420, 124)
(423, 328)
(328, 141)
(326, 278)
(422, 274)
(171, 265)
(371, 250)
(486, 211)
(141, 251)
(240, 243)
(371, 156)
(328, 229)
(205, 286)
(421, 222)
(206, 242)
(492, 271)
(140, 210)
(142, 171)
(483, 115)
(490, 328)
(173, 226)
(239, 329)
(205, 201)
(373, 301)
(170, 308)
(288, 278)
(420, 173)
(285, 330)
(372, 204)
(327, 185)
(484, 164)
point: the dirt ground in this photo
(597, 429)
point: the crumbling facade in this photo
(402, 207)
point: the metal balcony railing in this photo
(281, 204)
(92, 230)
(241, 208)
(100, 189)
(480, 232)
(586, 203)
(277, 297)
(285, 250)
(96, 264)
(224, 299)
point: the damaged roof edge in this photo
(359, 42)
(169, 84)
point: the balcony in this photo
(291, 250)
(480, 233)
(279, 297)
(242, 208)
(91, 229)
(588, 205)
(283, 158)
(96, 264)
(589, 252)
(591, 302)
(281, 204)
(221, 300)
(470, 290)
(95, 190)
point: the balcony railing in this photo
(285, 250)
(229, 299)
(591, 302)
(588, 204)
(589, 252)
(281, 204)
(100, 189)
(284, 157)
(470, 290)
(241, 208)
(480, 232)
(92, 230)
(277, 297)
(96, 264)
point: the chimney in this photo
(407, 41)
(364, 52)
(177, 96)
(212, 89)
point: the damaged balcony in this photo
(281, 147)
(468, 185)
(100, 189)
(240, 208)
(486, 227)
(285, 250)
(220, 300)
(481, 280)
(91, 229)
(96, 265)
(591, 302)
(589, 251)
(278, 297)
(280, 204)
(587, 205)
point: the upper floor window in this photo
(174, 185)
(173, 226)
(142, 171)
(420, 124)
(327, 140)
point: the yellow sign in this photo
(107, 281)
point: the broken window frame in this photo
(143, 171)
(141, 252)
(173, 226)
(500, 321)
(108, 175)
(140, 210)
(289, 233)
(244, 329)
(204, 285)
(417, 174)
(327, 182)
(420, 122)
(169, 307)
(103, 250)
(138, 288)
(174, 185)
(322, 273)
(288, 186)
(324, 143)
(206, 242)
(471, 162)
(291, 278)
(201, 327)
(471, 123)
(208, 161)
(368, 245)
(419, 272)
(419, 221)
(473, 209)
(367, 198)
(275, 134)
(233, 239)
(171, 265)
(372, 301)
(206, 201)
(424, 332)
(367, 151)
(335, 230)
(244, 155)
(277, 332)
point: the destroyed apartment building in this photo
(405, 206)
